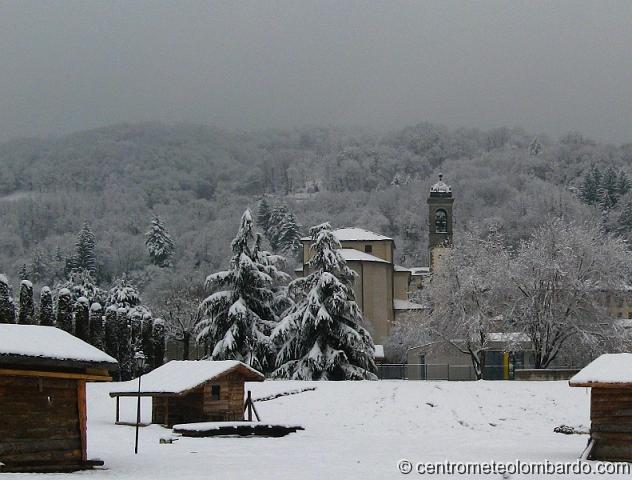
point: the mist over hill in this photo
(199, 179)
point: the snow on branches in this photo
(321, 338)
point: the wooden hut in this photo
(191, 391)
(610, 379)
(43, 375)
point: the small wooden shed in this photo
(610, 379)
(43, 375)
(189, 391)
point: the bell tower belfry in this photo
(440, 221)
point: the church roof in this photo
(355, 234)
(351, 254)
(441, 187)
(348, 234)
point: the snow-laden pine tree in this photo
(26, 315)
(289, 234)
(263, 214)
(238, 313)
(322, 338)
(97, 332)
(82, 319)
(85, 258)
(272, 265)
(82, 284)
(46, 314)
(7, 305)
(123, 294)
(65, 310)
(275, 222)
(159, 243)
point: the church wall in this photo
(401, 283)
(379, 248)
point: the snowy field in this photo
(353, 430)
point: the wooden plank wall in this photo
(198, 405)
(611, 423)
(40, 421)
(230, 405)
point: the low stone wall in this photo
(545, 374)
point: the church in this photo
(383, 288)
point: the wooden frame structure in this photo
(43, 426)
(212, 391)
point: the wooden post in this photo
(249, 404)
(118, 409)
(83, 418)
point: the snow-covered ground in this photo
(353, 430)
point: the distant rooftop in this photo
(399, 304)
(355, 234)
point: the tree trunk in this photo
(186, 341)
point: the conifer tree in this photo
(85, 258)
(159, 243)
(46, 314)
(623, 184)
(278, 214)
(38, 265)
(239, 316)
(322, 338)
(158, 342)
(124, 343)
(289, 234)
(147, 342)
(535, 147)
(263, 214)
(7, 305)
(26, 315)
(123, 294)
(589, 191)
(82, 319)
(110, 332)
(23, 272)
(65, 310)
(97, 331)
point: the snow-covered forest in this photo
(195, 181)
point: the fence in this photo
(442, 371)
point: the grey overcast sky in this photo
(549, 66)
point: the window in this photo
(214, 392)
(368, 249)
(441, 221)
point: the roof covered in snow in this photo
(406, 305)
(355, 234)
(421, 271)
(399, 268)
(517, 337)
(351, 254)
(36, 345)
(180, 376)
(441, 187)
(609, 369)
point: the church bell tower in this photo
(440, 221)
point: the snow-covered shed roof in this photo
(181, 376)
(351, 254)
(355, 234)
(406, 305)
(35, 345)
(517, 337)
(609, 369)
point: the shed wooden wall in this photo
(35, 430)
(198, 405)
(611, 423)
